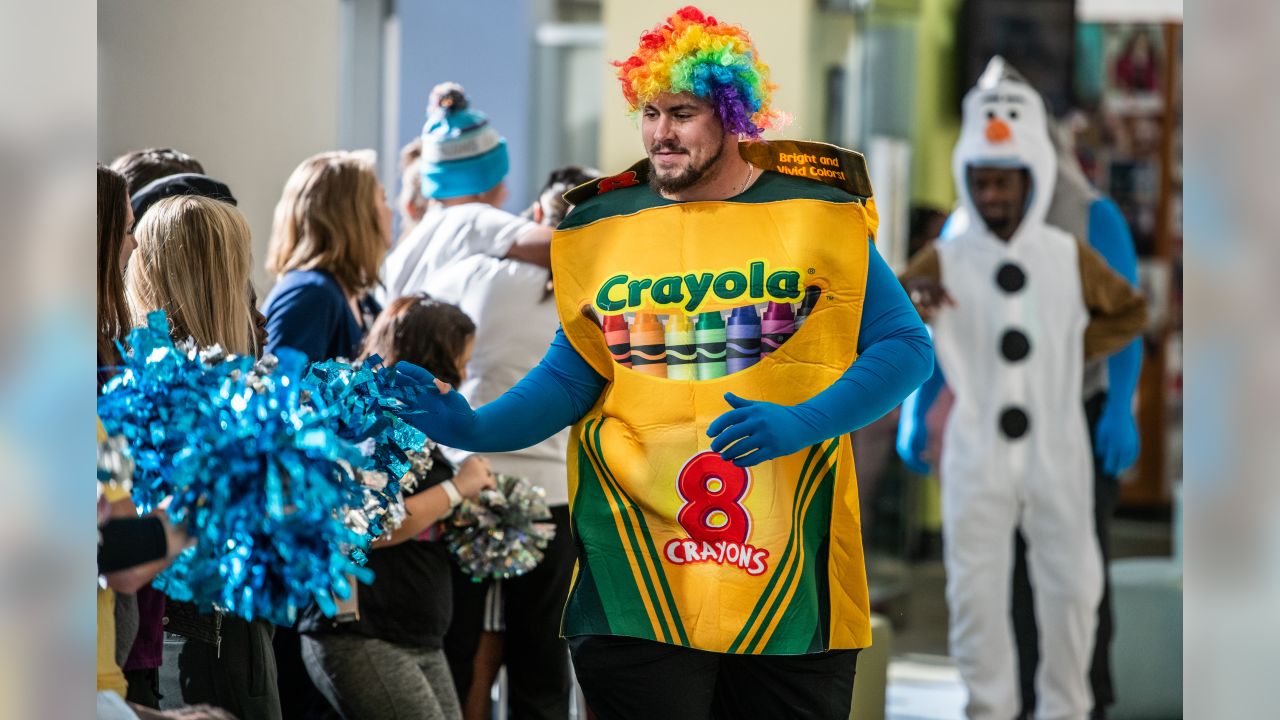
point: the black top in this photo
(411, 599)
(127, 542)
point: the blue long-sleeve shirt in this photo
(308, 311)
(895, 356)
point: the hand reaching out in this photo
(438, 410)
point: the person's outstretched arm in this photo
(895, 355)
(1117, 433)
(554, 395)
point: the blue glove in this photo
(1117, 439)
(913, 431)
(440, 414)
(755, 431)
(913, 439)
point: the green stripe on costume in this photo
(770, 187)
(795, 630)
(614, 593)
(652, 550)
(748, 628)
(749, 632)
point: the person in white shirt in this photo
(463, 167)
(492, 264)
(518, 621)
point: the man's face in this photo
(1000, 196)
(684, 139)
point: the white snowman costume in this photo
(1016, 449)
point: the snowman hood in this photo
(1005, 124)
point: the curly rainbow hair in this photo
(694, 53)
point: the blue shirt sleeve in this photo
(1109, 235)
(895, 355)
(553, 395)
(948, 226)
(1116, 437)
(303, 317)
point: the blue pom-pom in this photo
(260, 464)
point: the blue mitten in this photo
(443, 416)
(913, 438)
(913, 431)
(755, 431)
(1117, 439)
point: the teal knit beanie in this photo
(462, 154)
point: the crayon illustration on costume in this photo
(776, 327)
(811, 295)
(681, 351)
(709, 342)
(618, 336)
(742, 338)
(648, 345)
(668, 528)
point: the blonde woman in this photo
(332, 229)
(193, 261)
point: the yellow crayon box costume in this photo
(675, 544)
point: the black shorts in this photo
(625, 677)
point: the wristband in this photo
(455, 497)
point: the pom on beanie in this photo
(462, 153)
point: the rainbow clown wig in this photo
(694, 53)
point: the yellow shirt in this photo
(110, 677)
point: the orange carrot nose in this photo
(998, 130)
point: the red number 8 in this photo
(712, 489)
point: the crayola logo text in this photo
(623, 292)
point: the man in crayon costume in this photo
(720, 570)
(1028, 303)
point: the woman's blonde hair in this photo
(328, 219)
(193, 261)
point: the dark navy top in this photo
(308, 311)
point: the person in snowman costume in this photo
(1109, 387)
(1017, 306)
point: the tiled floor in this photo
(924, 687)
(923, 683)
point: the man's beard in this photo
(996, 224)
(684, 179)
(1002, 225)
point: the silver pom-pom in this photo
(115, 465)
(501, 534)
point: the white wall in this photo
(486, 46)
(249, 88)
